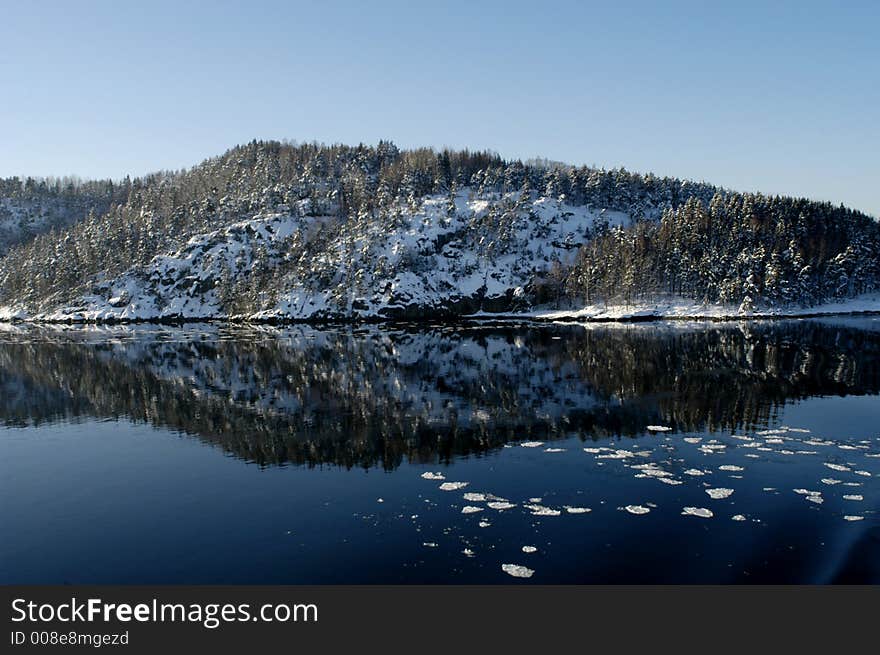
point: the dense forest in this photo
(284, 230)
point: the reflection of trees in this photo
(374, 397)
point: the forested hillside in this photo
(30, 207)
(279, 231)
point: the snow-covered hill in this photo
(456, 255)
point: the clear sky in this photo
(773, 97)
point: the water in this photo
(209, 454)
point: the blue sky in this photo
(776, 97)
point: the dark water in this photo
(209, 454)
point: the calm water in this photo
(209, 454)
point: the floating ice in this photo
(540, 510)
(669, 481)
(730, 467)
(577, 510)
(593, 451)
(474, 497)
(659, 428)
(470, 509)
(453, 486)
(468, 552)
(429, 544)
(636, 509)
(484, 524)
(380, 500)
(529, 549)
(532, 444)
(720, 492)
(702, 512)
(433, 476)
(829, 481)
(535, 500)
(554, 450)
(738, 517)
(517, 571)
(853, 497)
(816, 499)
(500, 505)
(864, 473)
(692, 439)
(837, 467)
(695, 472)
(774, 440)
(853, 518)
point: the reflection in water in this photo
(376, 397)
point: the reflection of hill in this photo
(374, 397)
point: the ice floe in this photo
(529, 549)
(837, 467)
(850, 517)
(517, 570)
(471, 509)
(730, 467)
(719, 493)
(474, 497)
(500, 505)
(702, 512)
(853, 497)
(738, 517)
(659, 428)
(636, 509)
(532, 444)
(430, 475)
(453, 486)
(577, 510)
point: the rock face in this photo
(483, 256)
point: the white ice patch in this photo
(692, 439)
(474, 497)
(429, 544)
(470, 509)
(853, 497)
(669, 481)
(730, 467)
(540, 510)
(719, 493)
(659, 428)
(484, 524)
(529, 549)
(695, 472)
(467, 552)
(866, 474)
(702, 512)
(738, 517)
(577, 510)
(500, 505)
(430, 475)
(853, 518)
(829, 481)
(554, 450)
(837, 467)
(517, 570)
(532, 444)
(453, 486)
(636, 509)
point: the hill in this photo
(277, 231)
